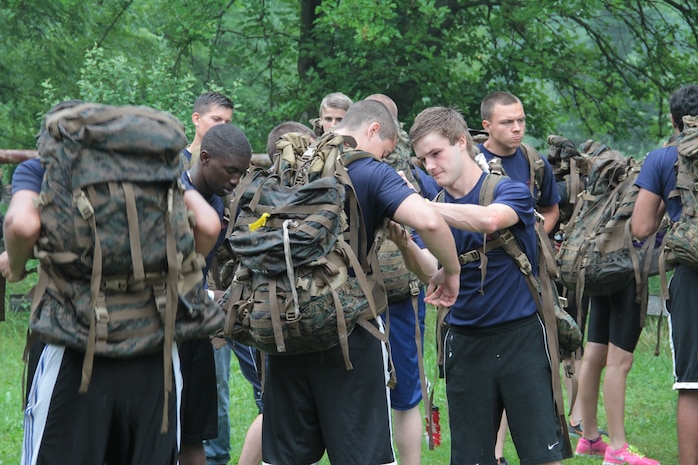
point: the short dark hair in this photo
(496, 98)
(284, 128)
(206, 101)
(683, 102)
(226, 140)
(366, 112)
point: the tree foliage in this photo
(601, 68)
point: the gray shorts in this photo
(491, 369)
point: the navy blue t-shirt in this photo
(427, 185)
(658, 176)
(28, 176)
(380, 191)
(506, 294)
(517, 167)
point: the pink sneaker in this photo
(626, 455)
(588, 448)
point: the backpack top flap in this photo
(607, 170)
(294, 211)
(130, 142)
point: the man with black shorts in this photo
(312, 403)
(224, 158)
(496, 353)
(118, 419)
(657, 181)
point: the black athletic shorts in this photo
(199, 391)
(117, 421)
(312, 403)
(506, 366)
(683, 317)
(615, 319)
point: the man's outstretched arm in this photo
(21, 231)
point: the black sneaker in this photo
(502, 461)
(576, 430)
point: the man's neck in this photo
(466, 181)
(498, 150)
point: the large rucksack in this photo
(300, 286)
(681, 241)
(119, 274)
(400, 283)
(597, 255)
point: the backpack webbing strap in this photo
(428, 401)
(241, 274)
(641, 270)
(99, 317)
(234, 204)
(174, 265)
(276, 317)
(536, 167)
(357, 233)
(133, 232)
(575, 181)
(376, 282)
(546, 309)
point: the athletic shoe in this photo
(626, 455)
(591, 449)
(502, 461)
(576, 430)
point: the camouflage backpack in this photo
(119, 275)
(299, 286)
(400, 283)
(597, 255)
(681, 241)
(571, 170)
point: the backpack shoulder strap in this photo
(536, 167)
(485, 198)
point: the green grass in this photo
(650, 409)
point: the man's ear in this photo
(462, 144)
(195, 118)
(204, 157)
(485, 125)
(373, 129)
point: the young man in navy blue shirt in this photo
(496, 353)
(657, 180)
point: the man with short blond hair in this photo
(332, 109)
